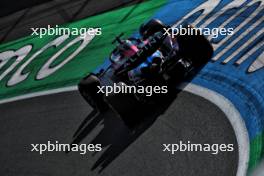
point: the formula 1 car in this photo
(154, 58)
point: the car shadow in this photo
(117, 134)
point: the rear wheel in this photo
(88, 88)
(195, 48)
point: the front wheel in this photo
(150, 28)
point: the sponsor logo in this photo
(46, 70)
(252, 24)
(247, 34)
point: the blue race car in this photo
(155, 58)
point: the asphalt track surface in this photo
(67, 118)
(54, 12)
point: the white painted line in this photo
(37, 94)
(250, 52)
(242, 25)
(233, 116)
(233, 4)
(237, 40)
(241, 48)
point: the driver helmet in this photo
(123, 51)
(127, 49)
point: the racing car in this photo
(153, 58)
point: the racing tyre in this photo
(88, 89)
(151, 27)
(195, 48)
